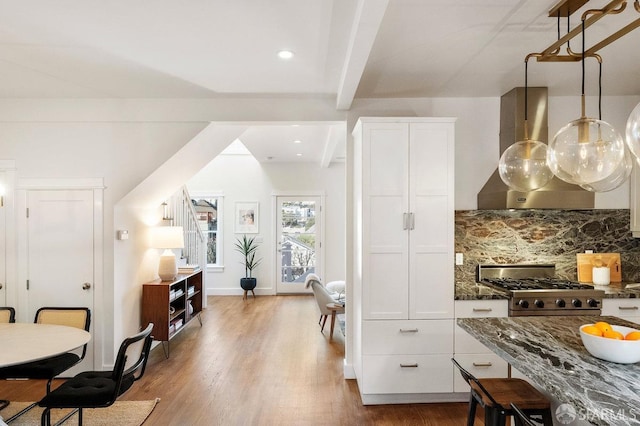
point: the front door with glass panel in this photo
(298, 240)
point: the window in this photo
(209, 213)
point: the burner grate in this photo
(535, 284)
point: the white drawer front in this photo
(383, 374)
(480, 365)
(481, 308)
(628, 309)
(407, 337)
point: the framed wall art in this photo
(246, 217)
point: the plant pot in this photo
(248, 283)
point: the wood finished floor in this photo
(261, 362)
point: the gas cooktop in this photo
(534, 290)
(535, 284)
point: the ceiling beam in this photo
(366, 24)
(330, 145)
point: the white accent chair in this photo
(323, 298)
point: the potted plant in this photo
(248, 248)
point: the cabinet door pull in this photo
(412, 221)
(409, 365)
(482, 364)
(482, 309)
(404, 221)
(628, 308)
(408, 330)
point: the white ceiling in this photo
(343, 48)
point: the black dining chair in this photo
(99, 389)
(49, 368)
(496, 395)
(7, 314)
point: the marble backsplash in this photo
(544, 236)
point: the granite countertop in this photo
(465, 290)
(550, 352)
(620, 290)
(475, 291)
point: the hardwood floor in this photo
(260, 362)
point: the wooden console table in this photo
(171, 305)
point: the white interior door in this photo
(60, 252)
(299, 225)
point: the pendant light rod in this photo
(526, 93)
(590, 17)
(526, 100)
(583, 73)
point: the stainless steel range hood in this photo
(557, 194)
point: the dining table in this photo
(27, 342)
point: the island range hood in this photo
(557, 194)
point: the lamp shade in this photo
(167, 237)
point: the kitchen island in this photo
(549, 351)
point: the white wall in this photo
(243, 178)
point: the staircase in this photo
(183, 214)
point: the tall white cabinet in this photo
(404, 273)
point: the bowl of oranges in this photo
(614, 343)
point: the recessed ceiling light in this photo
(297, 141)
(285, 54)
(299, 155)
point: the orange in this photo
(590, 329)
(603, 326)
(634, 335)
(612, 334)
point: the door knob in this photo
(86, 286)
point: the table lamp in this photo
(167, 238)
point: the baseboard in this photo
(413, 398)
(238, 292)
(348, 371)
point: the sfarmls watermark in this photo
(566, 414)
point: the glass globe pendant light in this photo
(633, 132)
(523, 166)
(586, 151)
(614, 180)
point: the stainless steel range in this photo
(534, 290)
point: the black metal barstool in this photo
(496, 395)
(521, 419)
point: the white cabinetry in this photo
(403, 280)
(469, 352)
(628, 309)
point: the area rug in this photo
(121, 413)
